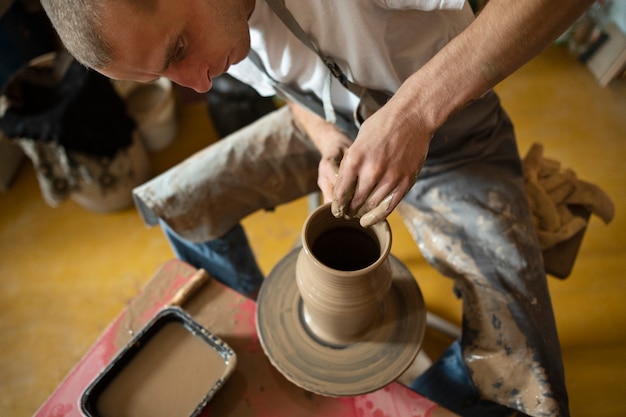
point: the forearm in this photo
(329, 140)
(326, 137)
(503, 37)
(311, 123)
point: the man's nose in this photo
(198, 80)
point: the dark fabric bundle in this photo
(79, 111)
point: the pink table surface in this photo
(255, 388)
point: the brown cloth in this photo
(552, 191)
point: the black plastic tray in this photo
(90, 397)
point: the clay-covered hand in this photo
(333, 145)
(380, 167)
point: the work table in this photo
(255, 388)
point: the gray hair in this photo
(78, 24)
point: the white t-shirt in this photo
(376, 43)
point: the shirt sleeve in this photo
(248, 73)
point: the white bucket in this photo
(153, 107)
(107, 184)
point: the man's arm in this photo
(330, 141)
(393, 143)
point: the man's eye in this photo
(179, 52)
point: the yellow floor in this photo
(65, 273)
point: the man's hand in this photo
(368, 178)
(335, 146)
(389, 151)
(381, 166)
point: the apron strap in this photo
(371, 100)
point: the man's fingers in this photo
(378, 213)
(342, 198)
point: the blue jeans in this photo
(228, 259)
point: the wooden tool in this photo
(190, 287)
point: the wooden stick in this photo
(187, 289)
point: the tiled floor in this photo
(65, 273)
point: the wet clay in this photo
(340, 316)
(168, 377)
(378, 357)
(343, 275)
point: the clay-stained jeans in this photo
(467, 212)
(200, 202)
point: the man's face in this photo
(190, 42)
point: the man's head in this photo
(190, 42)
(77, 23)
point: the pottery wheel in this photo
(377, 359)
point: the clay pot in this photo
(343, 274)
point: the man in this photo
(434, 63)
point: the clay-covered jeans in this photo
(467, 212)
